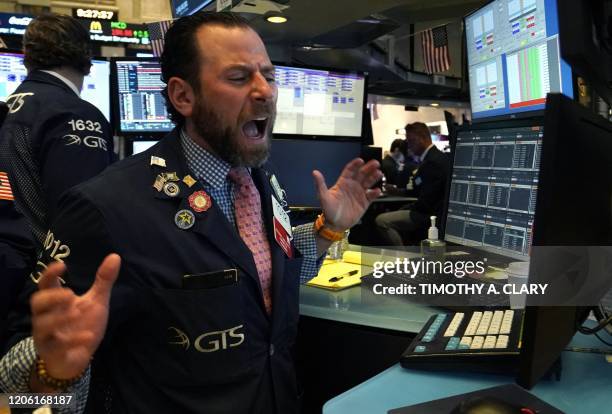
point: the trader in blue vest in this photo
(201, 314)
(50, 140)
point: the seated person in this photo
(430, 183)
(396, 166)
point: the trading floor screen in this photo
(141, 105)
(493, 189)
(319, 102)
(513, 57)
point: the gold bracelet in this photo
(55, 383)
(326, 233)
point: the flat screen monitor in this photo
(493, 188)
(182, 8)
(96, 85)
(138, 146)
(140, 108)
(513, 57)
(295, 172)
(319, 103)
(12, 73)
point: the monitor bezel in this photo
(311, 137)
(116, 116)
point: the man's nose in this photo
(263, 90)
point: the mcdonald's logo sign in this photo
(95, 27)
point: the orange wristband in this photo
(326, 233)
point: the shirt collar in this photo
(64, 79)
(206, 166)
(424, 154)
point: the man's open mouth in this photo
(255, 128)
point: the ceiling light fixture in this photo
(434, 104)
(275, 17)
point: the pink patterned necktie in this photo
(247, 206)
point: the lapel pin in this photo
(171, 189)
(189, 180)
(199, 201)
(160, 162)
(170, 176)
(159, 182)
(184, 219)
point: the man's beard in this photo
(225, 141)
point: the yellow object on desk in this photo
(337, 275)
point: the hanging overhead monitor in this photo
(319, 103)
(182, 8)
(513, 57)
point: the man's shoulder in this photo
(437, 157)
(39, 101)
(128, 177)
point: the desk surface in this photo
(584, 387)
(359, 306)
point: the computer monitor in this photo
(12, 73)
(96, 85)
(574, 210)
(493, 187)
(134, 147)
(319, 103)
(182, 8)
(513, 57)
(295, 172)
(140, 108)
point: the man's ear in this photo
(181, 96)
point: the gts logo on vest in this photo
(209, 341)
(89, 141)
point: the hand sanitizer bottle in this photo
(432, 246)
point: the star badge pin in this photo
(199, 201)
(184, 219)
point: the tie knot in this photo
(240, 176)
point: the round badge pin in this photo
(199, 201)
(171, 189)
(184, 219)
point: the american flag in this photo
(5, 187)
(157, 33)
(435, 50)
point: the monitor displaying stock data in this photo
(313, 102)
(513, 57)
(140, 105)
(493, 189)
